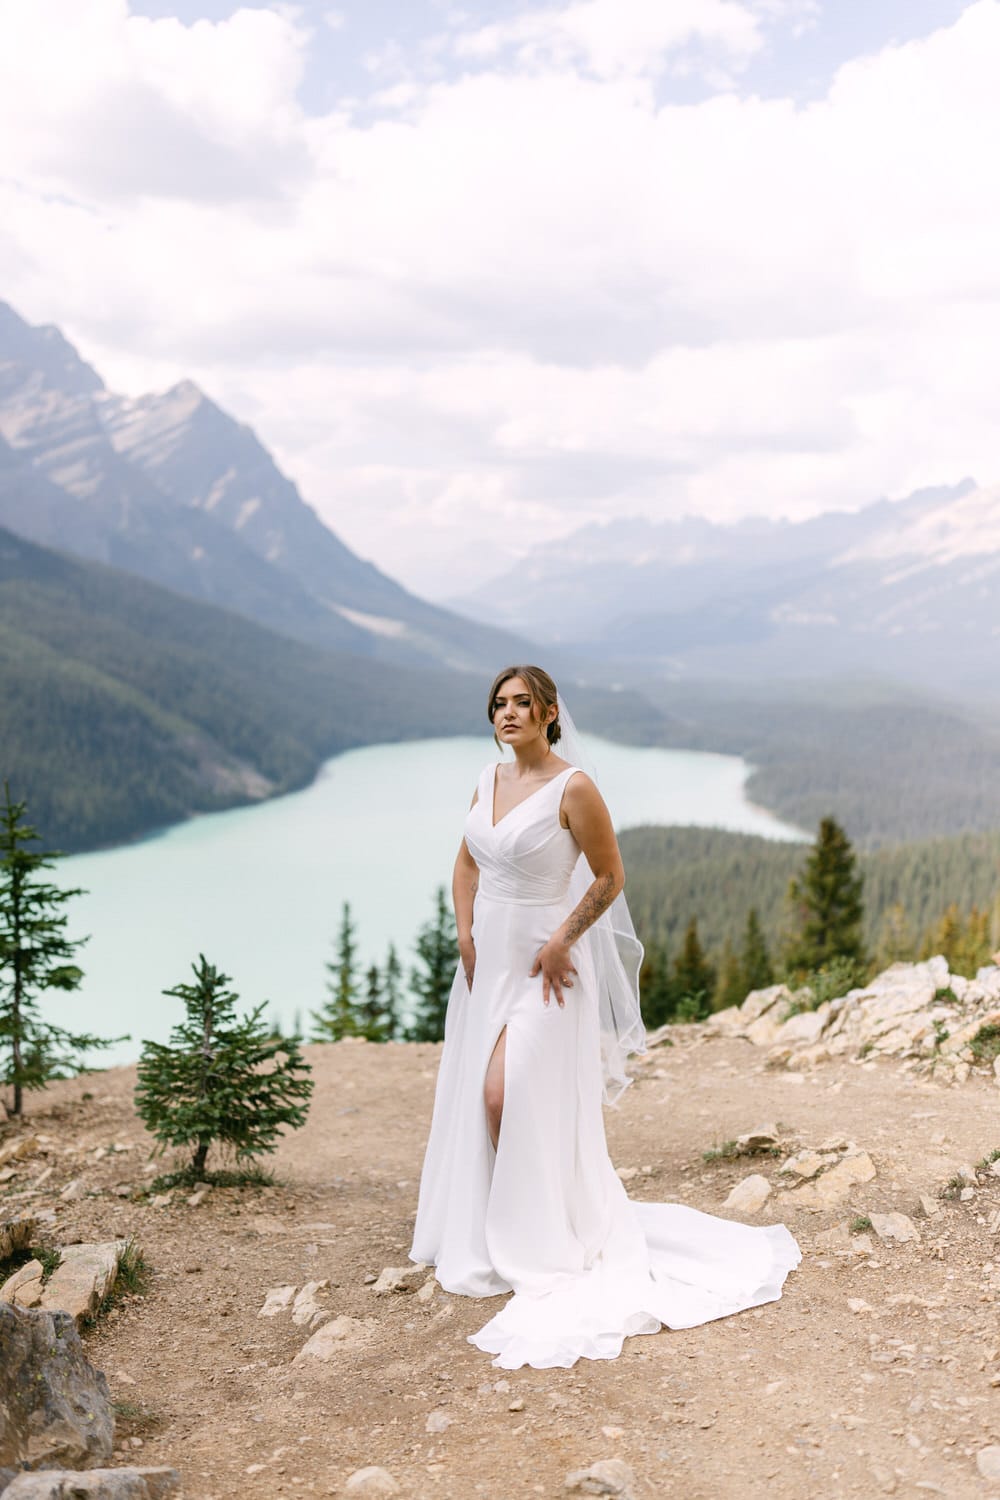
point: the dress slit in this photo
(501, 1037)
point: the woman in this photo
(518, 1191)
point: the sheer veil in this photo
(616, 949)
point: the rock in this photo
(895, 1227)
(747, 1197)
(764, 1031)
(95, 1484)
(931, 1207)
(372, 1481)
(626, 1174)
(808, 1057)
(438, 1421)
(306, 1310)
(82, 1279)
(758, 1002)
(805, 1028)
(835, 1184)
(334, 1337)
(968, 1175)
(279, 1299)
(806, 1163)
(54, 1406)
(24, 1288)
(966, 1195)
(609, 1476)
(426, 1292)
(762, 1138)
(859, 1305)
(841, 1241)
(397, 1278)
(27, 1145)
(73, 1191)
(16, 1234)
(988, 1461)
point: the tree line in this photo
(820, 948)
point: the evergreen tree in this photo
(730, 986)
(220, 1078)
(35, 956)
(693, 978)
(755, 960)
(339, 1015)
(392, 991)
(827, 905)
(374, 1018)
(655, 989)
(432, 977)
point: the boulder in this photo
(95, 1484)
(54, 1406)
(759, 1002)
(748, 1196)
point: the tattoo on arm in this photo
(596, 901)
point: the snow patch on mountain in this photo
(966, 527)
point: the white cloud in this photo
(615, 38)
(496, 303)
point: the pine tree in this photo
(755, 960)
(220, 1078)
(339, 1015)
(35, 956)
(432, 977)
(392, 991)
(693, 978)
(655, 989)
(730, 987)
(827, 905)
(374, 1019)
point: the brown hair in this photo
(543, 693)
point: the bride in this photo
(518, 1192)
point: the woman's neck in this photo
(530, 760)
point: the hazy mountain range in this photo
(174, 489)
(907, 588)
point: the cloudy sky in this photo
(481, 272)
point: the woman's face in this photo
(516, 717)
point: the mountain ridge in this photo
(173, 488)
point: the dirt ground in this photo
(805, 1397)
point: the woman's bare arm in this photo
(585, 814)
(464, 881)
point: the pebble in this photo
(517, 1404)
(440, 1421)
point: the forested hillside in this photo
(675, 874)
(890, 765)
(126, 707)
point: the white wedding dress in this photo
(545, 1215)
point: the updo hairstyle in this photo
(544, 694)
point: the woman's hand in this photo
(553, 963)
(467, 954)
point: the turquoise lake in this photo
(259, 889)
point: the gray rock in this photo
(609, 1476)
(95, 1484)
(54, 1406)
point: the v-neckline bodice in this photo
(494, 821)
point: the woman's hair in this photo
(544, 695)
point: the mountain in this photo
(904, 588)
(126, 707)
(174, 489)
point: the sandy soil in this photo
(802, 1398)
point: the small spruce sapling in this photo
(221, 1078)
(35, 956)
